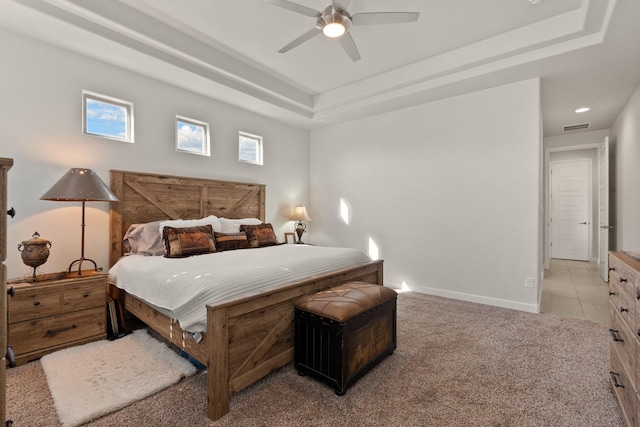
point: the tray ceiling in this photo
(584, 52)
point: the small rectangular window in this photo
(250, 148)
(107, 117)
(192, 136)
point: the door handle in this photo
(606, 227)
(584, 223)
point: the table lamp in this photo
(300, 214)
(80, 185)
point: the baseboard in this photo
(480, 299)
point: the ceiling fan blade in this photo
(380, 18)
(341, 4)
(303, 38)
(349, 46)
(295, 7)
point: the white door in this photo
(570, 209)
(603, 209)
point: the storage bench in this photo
(342, 332)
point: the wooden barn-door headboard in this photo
(150, 197)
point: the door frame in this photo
(603, 229)
(547, 206)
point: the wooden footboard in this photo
(251, 337)
(246, 339)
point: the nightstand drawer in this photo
(52, 331)
(34, 303)
(84, 295)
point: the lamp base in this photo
(299, 228)
(79, 261)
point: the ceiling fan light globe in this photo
(333, 29)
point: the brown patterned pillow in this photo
(187, 241)
(231, 241)
(260, 235)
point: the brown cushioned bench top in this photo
(343, 302)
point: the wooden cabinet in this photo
(624, 309)
(5, 165)
(60, 311)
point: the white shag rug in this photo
(94, 379)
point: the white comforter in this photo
(182, 287)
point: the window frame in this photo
(128, 106)
(259, 151)
(206, 142)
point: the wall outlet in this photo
(528, 282)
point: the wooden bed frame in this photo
(246, 339)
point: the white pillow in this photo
(144, 239)
(179, 223)
(233, 225)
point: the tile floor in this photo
(575, 289)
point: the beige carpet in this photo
(457, 364)
(94, 379)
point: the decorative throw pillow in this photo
(260, 235)
(231, 241)
(187, 241)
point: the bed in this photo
(245, 338)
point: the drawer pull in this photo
(11, 212)
(52, 332)
(614, 379)
(37, 303)
(11, 292)
(612, 269)
(614, 335)
(613, 293)
(622, 280)
(87, 295)
(622, 310)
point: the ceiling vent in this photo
(576, 127)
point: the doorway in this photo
(570, 202)
(572, 153)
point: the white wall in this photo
(40, 129)
(449, 191)
(625, 173)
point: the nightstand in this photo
(60, 310)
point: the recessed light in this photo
(582, 110)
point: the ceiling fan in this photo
(334, 22)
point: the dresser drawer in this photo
(622, 284)
(34, 302)
(53, 331)
(79, 296)
(623, 389)
(623, 276)
(623, 340)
